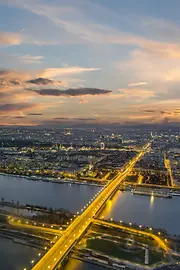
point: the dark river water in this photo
(15, 256)
(144, 210)
(68, 196)
(150, 211)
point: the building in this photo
(102, 146)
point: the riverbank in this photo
(151, 190)
(56, 181)
(16, 256)
(152, 193)
(22, 240)
(120, 264)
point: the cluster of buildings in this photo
(161, 165)
(50, 151)
(53, 151)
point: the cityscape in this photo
(62, 190)
(89, 135)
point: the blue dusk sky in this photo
(89, 61)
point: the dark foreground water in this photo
(15, 256)
(18, 257)
(149, 211)
(78, 265)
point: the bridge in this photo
(20, 225)
(167, 164)
(55, 256)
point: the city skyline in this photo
(89, 62)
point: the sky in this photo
(89, 62)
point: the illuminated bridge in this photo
(55, 256)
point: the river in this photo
(74, 264)
(14, 256)
(68, 196)
(144, 210)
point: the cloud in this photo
(72, 92)
(43, 81)
(4, 82)
(8, 38)
(161, 28)
(17, 76)
(177, 111)
(157, 111)
(39, 75)
(35, 114)
(82, 22)
(16, 107)
(15, 83)
(9, 77)
(83, 101)
(30, 59)
(136, 93)
(2, 95)
(162, 50)
(149, 111)
(165, 112)
(4, 72)
(74, 119)
(85, 119)
(152, 68)
(14, 117)
(18, 117)
(56, 72)
(137, 84)
(61, 118)
(165, 120)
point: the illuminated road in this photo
(72, 234)
(19, 224)
(160, 242)
(168, 167)
(140, 179)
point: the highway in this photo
(19, 224)
(72, 234)
(168, 167)
(160, 242)
(140, 179)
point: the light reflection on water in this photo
(151, 201)
(110, 204)
(74, 264)
(14, 256)
(150, 211)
